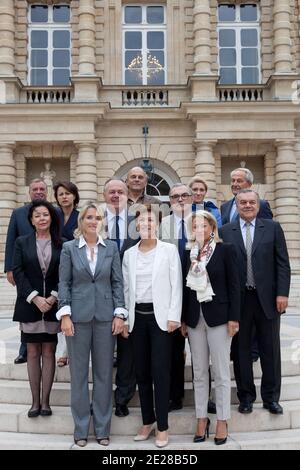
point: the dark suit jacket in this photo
(264, 211)
(29, 277)
(68, 229)
(270, 261)
(224, 277)
(18, 227)
(132, 237)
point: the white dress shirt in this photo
(178, 221)
(144, 270)
(243, 224)
(111, 217)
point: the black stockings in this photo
(41, 369)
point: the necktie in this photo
(250, 274)
(182, 240)
(116, 232)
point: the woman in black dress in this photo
(36, 263)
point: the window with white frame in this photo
(49, 45)
(239, 44)
(144, 44)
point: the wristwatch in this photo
(121, 316)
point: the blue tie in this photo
(116, 232)
(182, 240)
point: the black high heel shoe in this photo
(221, 442)
(199, 439)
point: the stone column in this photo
(202, 29)
(282, 36)
(87, 38)
(8, 191)
(205, 165)
(286, 194)
(86, 172)
(7, 34)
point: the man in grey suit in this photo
(121, 227)
(19, 226)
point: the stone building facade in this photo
(219, 89)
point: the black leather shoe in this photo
(34, 413)
(175, 405)
(122, 411)
(274, 408)
(221, 441)
(245, 408)
(20, 360)
(46, 412)
(211, 408)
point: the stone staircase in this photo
(259, 430)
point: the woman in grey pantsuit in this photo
(92, 313)
(211, 312)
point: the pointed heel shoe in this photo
(144, 437)
(199, 439)
(222, 441)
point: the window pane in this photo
(133, 40)
(133, 59)
(249, 12)
(61, 58)
(61, 39)
(39, 59)
(39, 39)
(227, 38)
(155, 15)
(250, 75)
(227, 57)
(133, 77)
(155, 40)
(157, 77)
(228, 76)
(39, 14)
(61, 77)
(133, 15)
(39, 77)
(249, 57)
(249, 38)
(156, 59)
(227, 13)
(61, 14)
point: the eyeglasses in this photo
(176, 197)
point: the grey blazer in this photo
(90, 296)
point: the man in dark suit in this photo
(265, 282)
(242, 178)
(121, 228)
(19, 226)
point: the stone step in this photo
(18, 392)
(272, 440)
(13, 418)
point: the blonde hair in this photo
(100, 231)
(198, 179)
(210, 219)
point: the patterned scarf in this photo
(197, 278)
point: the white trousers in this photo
(206, 342)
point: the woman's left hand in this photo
(233, 328)
(172, 326)
(117, 326)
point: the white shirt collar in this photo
(111, 215)
(178, 219)
(244, 222)
(82, 241)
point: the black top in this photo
(29, 277)
(68, 229)
(224, 277)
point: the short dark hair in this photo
(150, 209)
(70, 187)
(55, 223)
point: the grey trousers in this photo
(208, 342)
(93, 338)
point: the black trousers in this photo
(268, 337)
(177, 368)
(152, 355)
(125, 377)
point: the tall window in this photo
(49, 45)
(144, 43)
(239, 44)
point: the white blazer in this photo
(166, 284)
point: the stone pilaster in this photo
(7, 34)
(86, 172)
(286, 193)
(282, 36)
(8, 190)
(205, 165)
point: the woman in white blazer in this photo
(153, 296)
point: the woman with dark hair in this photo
(35, 269)
(67, 198)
